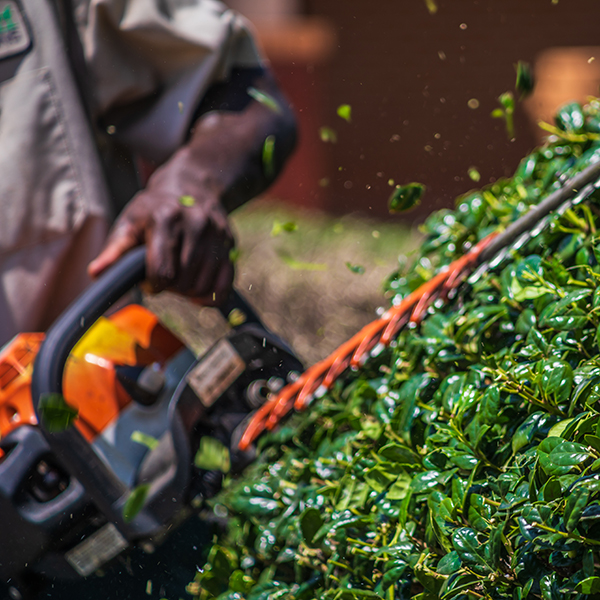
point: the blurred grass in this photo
(314, 279)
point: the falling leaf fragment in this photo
(345, 112)
(525, 81)
(236, 317)
(507, 102)
(474, 174)
(187, 201)
(431, 6)
(358, 269)
(278, 227)
(55, 413)
(265, 99)
(405, 197)
(212, 455)
(300, 265)
(328, 135)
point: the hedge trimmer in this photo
(113, 432)
(488, 253)
(103, 436)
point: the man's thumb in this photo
(118, 244)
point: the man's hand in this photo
(188, 242)
(182, 214)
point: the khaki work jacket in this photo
(146, 64)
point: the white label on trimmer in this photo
(95, 550)
(217, 370)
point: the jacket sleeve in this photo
(150, 63)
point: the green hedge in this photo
(464, 461)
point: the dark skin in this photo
(220, 168)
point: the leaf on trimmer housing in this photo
(212, 455)
(405, 197)
(264, 98)
(143, 438)
(135, 502)
(55, 413)
(345, 112)
(268, 154)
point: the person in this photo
(162, 112)
(163, 107)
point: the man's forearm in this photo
(226, 150)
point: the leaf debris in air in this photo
(327, 134)
(299, 265)
(265, 99)
(405, 197)
(345, 112)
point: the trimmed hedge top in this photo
(464, 461)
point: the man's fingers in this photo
(162, 260)
(121, 241)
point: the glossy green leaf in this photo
(468, 548)
(557, 379)
(576, 503)
(590, 585)
(310, 522)
(449, 564)
(568, 454)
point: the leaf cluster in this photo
(464, 460)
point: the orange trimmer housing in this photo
(132, 336)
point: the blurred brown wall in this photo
(409, 76)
